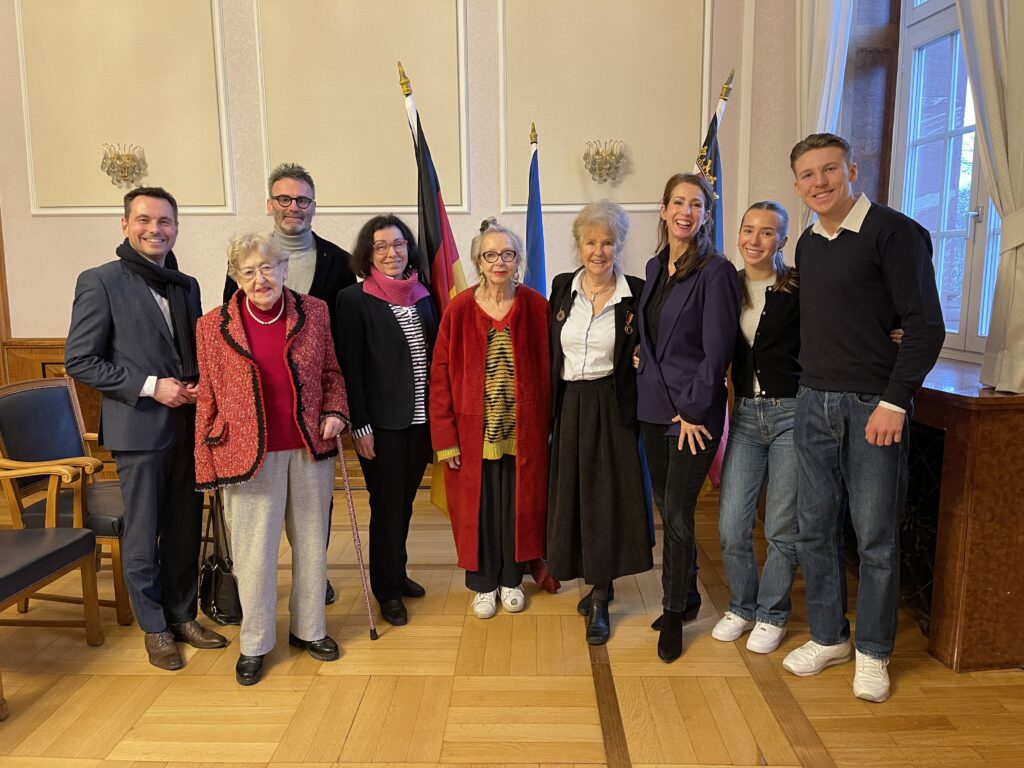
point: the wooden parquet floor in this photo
(525, 689)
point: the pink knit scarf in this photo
(402, 293)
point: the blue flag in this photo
(709, 165)
(536, 275)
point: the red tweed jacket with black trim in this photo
(230, 417)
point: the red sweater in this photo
(266, 342)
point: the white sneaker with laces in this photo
(871, 680)
(484, 604)
(765, 637)
(512, 599)
(810, 658)
(730, 627)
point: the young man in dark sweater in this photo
(865, 269)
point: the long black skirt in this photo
(599, 519)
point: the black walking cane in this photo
(355, 539)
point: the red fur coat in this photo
(457, 416)
(230, 420)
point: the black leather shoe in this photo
(412, 589)
(393, 612)
(692, 609)
(324, 649)
(670, 642)
(249, 669)
(330, 597)
(583, 606)
(598, 627)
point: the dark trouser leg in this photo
(676, 479)
(392, 479)
(180, 531)
(496, 563)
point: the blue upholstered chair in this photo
(41, 426)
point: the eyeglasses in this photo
(267, 270)
(381, 247)
(492, 256)
(285, 201)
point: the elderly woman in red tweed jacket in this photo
(271, 402)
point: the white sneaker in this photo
(810, 658)
(871, 681)
(484, 604)
(765, 638)
(512, 599)
(730, 627)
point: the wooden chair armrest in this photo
(91, 437)
(66, 473)
(87, 463)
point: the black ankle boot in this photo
(670, 641)
(598, 625)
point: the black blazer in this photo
(331, 274)
(776, 352)
(624, 374)
(375, 358)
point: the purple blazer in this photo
(685, 373)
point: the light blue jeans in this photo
(837, 463)
(760, 449)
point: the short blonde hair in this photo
(492, 227)
(241, 246)
(604, 213)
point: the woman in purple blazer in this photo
(688, 316)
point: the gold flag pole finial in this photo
(726, 87)
(533, 133)
(404, 81)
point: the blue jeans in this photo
(760, 448)
(837, 463)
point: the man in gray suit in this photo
(132, 337)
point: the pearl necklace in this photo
(252, 314)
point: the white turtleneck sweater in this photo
(301, 253)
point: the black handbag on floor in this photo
(218, 590)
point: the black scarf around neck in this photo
(170, 283)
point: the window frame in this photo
(930, 21)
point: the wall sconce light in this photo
(604, 161)
(125, 167)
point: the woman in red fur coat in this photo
(490, 415)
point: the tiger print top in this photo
(499, 394)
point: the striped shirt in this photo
(499, 395)
(409, 321)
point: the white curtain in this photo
(993, 39)
(824, 41)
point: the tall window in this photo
(936, 176)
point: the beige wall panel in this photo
(95, 73)
(598, 70)
(333, 102)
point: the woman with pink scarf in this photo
(386, 326)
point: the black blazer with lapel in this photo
(119, 337)
(626, 339)
(375, 359)
(331, 274)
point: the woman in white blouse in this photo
(598, 507)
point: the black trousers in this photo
(676, 479)
(162, 529)
(496, 562)
(393, 478)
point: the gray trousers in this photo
(294, 491)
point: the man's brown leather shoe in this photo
(163, 653)
(198, 636)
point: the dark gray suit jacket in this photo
(118, 337)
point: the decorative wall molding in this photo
(406, 146)
(227, 207)
(603, 99)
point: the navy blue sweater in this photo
(853, 291)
